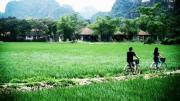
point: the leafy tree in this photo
(69, 26)
(14, 26)
(174, 21)
(38, 26)
(129, 27)
(153, 20)
(177, 7)
(11, 26)
(3, 26)
(51, 24)
(105, 27)
(23, 27)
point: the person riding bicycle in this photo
(130, 58)
(157, 57)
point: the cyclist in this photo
(130, 58)
(157, 57)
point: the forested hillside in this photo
(125, 8)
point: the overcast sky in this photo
(3, 5)
(100, 5)
(78, 5)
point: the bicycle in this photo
(161, 66)
(132, 69)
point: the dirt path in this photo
(25, 87)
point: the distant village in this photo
(158, 21)
(86, 34)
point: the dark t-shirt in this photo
(130, 56)
(156, 56)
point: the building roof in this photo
(143, 33)
(86, 31)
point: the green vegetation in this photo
(156, 89)
(105, 27)
(154, 20)
(11, 27)
(159, 23)
(129, 27)
(29, 70)
(69, 26)
(37, 61)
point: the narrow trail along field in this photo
(27, 87)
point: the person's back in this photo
(130, 56)
(156, 55)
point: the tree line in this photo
(153, 20)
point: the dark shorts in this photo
(131, 64)
(130, 60)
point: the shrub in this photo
(149, 41)
(168, 41)
(171, 41)
(178, 40)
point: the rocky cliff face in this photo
(36, 9)
(126, 8)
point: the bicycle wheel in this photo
(163, 67)
(153, 66)
(127, 70)
(137, 71)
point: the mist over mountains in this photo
(88, 12)
(52, 9)
(122, 8)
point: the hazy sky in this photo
(3, 4)
(78, 5)
(100, 5)
(144, 0)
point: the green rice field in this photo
(157, 89)
(23, 61)
(38, 62)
